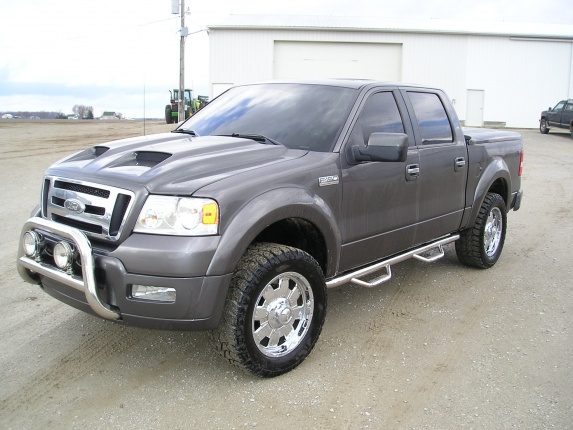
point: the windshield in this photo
(298, 116)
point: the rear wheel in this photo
(274, 311)
(481, 245)
(543, 126)
(168, 118)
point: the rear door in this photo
(442, 166)
(567, 117)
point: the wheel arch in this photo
(300, 220)
(496, 178)
(298, 233)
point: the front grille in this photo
(80, 225)
(84, 189)
(89, 208)
(99, 211)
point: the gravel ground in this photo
(440, 346)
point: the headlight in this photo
(182, 216)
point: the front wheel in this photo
(543, 126)
(274, 311)
(481, 245)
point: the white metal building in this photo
(494, 73)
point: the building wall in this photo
(519, 77)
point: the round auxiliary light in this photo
(63, 255)
(31, 244)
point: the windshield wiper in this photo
(185, 131)
(255, 137)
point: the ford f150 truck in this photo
(239, 220)
(561, 116)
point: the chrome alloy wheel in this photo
(282, 314)
(493, 231)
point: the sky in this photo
(123, 55)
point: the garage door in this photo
(381, 61)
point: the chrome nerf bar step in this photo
(417, 253)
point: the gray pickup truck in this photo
(561, 116)
(239, 220)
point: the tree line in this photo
(79, 111)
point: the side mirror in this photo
(383, 147)
(549, 108)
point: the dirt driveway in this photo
(440, 346)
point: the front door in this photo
(554, 115)
(379, 202)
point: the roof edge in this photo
(562, 33)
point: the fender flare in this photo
(266, 209)
(496, 169)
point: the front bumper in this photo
(102, 286)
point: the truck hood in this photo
(170, 163)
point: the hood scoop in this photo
(99, 150)
(147, 159)
(89, 154)
(137, 158)
(150, 158)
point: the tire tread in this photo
(228, 338)
(469, 245)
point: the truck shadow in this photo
(564, 134)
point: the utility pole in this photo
(183, 32)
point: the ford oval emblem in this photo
(75, 206)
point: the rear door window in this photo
(433, 122)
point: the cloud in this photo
(131, 100)
(86, 91)
(117, 55)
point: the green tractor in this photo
(191, 105)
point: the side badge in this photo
(323, 181)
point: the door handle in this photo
(459, 164)
(412, 172)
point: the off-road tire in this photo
(543, 128)
(481, 245)
(298, 290)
